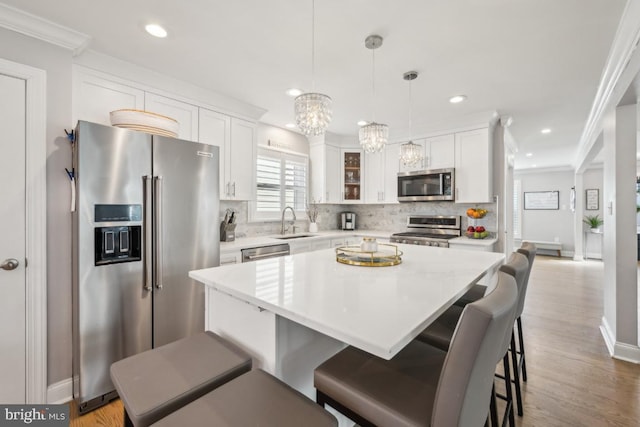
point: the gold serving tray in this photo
(385, 256)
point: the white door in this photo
(12, 240)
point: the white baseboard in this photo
(627, 352)
(60, 392)
(609, 339)
(594, 255)
(617, 350)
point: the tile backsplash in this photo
(388, 217)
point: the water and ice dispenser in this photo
(120, 243)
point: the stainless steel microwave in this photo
(426, 185)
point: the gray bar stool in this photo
(529, 250)
(440, 332)
(424, 385)
(253, 399)
(157, 382)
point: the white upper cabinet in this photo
(237, 143)
(215, 129)
(440, 152)
(374, 177)
(473, 161)
(242, 159)
(185, 114)
(391, 169)
(95, 97)
(325, 173)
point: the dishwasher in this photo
(264, 252)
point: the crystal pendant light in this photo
(373, 136)
(313, 110)
(410, 153)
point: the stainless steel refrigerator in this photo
(146, 214)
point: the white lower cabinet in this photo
(321, 244)
(314, 244)
(232, 257)
(479, 248)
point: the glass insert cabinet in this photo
(352, 175)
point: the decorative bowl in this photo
(145, 121)
(482, 235)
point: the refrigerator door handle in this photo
(146, 259)
(157, 211)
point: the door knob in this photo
(9, 264)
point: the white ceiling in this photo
(537, 61)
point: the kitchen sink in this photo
(294, 236)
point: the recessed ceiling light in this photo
(156, 30)
(362, 122)
(546, 130)
(294, 92)
(529, 154)
(458, 98)
(291, 125)
(534, 166)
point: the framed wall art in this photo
(542, 200)
(592, 199)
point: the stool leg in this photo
(516, 374)
(509, 393)
(522, 358)
(127, 420)
(493, 408)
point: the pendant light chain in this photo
(373, 85)
(410, 112)
(313, 45)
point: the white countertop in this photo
(252, 242)
(377, 309)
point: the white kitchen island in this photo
(294, 312)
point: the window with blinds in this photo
(281, 180)
(517, 209)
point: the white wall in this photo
(548, 225)
(620, 268)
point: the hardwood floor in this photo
(572, 379)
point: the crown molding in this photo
(550, 169)
(39, 28)
(621, 67)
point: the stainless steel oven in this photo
(426, 185)
(429, 230)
